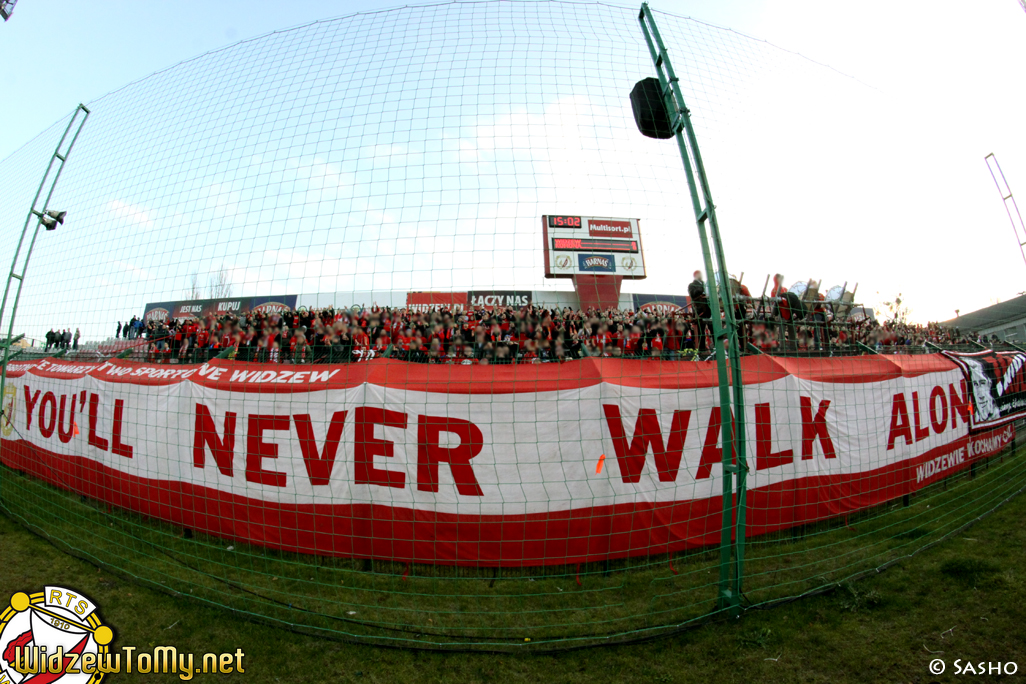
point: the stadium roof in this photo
(1004, 313)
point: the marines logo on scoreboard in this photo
(52, 636)
(158, 313)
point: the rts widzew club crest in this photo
(46, 634)
(10, 402)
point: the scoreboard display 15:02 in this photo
(586, 244)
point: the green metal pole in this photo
(867, 349)
(728, 362)
(60, 159)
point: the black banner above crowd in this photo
(661, 304)
(201, 308)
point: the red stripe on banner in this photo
(450, 379)
(123, 371)
(62, 374)
(454, 379)
(800, 501)
(912, 365)
(52, 368)
(861, 369)
(572, 536)
(16, 369)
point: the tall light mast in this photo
(1006, 196)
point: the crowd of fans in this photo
(898, 334)
(130, 330)
(62, 339)
(530, 334)
(477, 336)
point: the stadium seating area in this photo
(508, 336)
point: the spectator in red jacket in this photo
(657, 347)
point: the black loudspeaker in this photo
(649, 110)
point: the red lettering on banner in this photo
(46, 428)
(764, 456)
(62, 434)
(647, 433)
(430, 453)
(319, 463)
(257, 450)
(712, 452)
(424, 301)
(288, 516)
(30, 404)
(223, 450)
(94, 410)
(367, 447)
(900, 424)
(116, 445)
(959, 404)
(938, 425)
(920, 433)
(815, 427)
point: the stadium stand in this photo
(508, 335)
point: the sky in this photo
(942, 78)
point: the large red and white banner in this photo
(487, 465)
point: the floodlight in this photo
(52, 218)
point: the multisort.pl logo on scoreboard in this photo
(589, 244)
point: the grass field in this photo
(510, 609)
(963, 598)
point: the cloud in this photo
(134, 270)
(130, 213)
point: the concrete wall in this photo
(1012, 331)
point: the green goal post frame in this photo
(59, 158)
(728, 362)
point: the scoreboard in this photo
(590, 244)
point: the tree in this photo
(220, 285)
(194, 288)
(897, 310)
